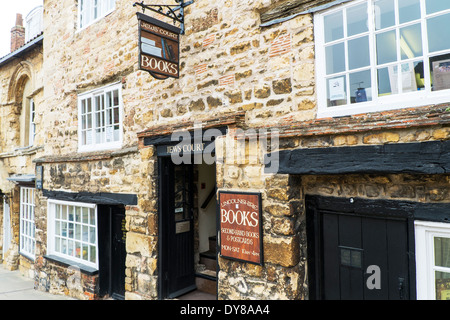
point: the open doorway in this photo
(187, 227)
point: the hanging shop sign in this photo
(159, 47)
(39, 182)
(240, 226)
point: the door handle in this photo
(401, 285)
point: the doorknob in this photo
(401, 282)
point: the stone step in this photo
(206, 281)
(208, 258)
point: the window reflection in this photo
(438, 40)
(357, 20)
(440, 72)
(384, 14)
(334, 27)
(409, 10)
(437, 5)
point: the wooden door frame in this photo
(163, 224)
(105, 214)
(389, 209)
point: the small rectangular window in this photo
(100, 113)
(375, 55)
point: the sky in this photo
(8, 11)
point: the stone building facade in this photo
(21, 109)
(336, 180)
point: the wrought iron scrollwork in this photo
(174, 12)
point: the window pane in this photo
(409, 10)
(358, 53)
(336, 89)
(357, 21)
(440, 72)
(442, 252)
(335, 57)
(408, 81)
(442, 285)
(387, 81)
(85, 215)
(83, 106)
(360, 86)
(85, 233)
(384, 14)
(92, 217)
(437, 5)
(116, 97)
(386, 47)
(438, 34)
(77, 214)
(334, 26)
(411, 42)
(93, 254)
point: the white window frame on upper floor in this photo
(90, 11)
(418, 98)
(110, 130)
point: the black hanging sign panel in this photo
(159, 47)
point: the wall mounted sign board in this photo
(241, 226)
(39, 177)
(159, 47)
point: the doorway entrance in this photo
(187, 224)
(359, 250)
(112, 251)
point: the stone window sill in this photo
(66, 262)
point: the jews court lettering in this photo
(158, 47)
(240, 226)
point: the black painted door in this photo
(363, 257)
(118, 253)
(112, 251)
(177, 226)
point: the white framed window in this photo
(27, 223)
(90, 11)
(375, 55)
(73, 231)
(34, 23)
(432, 241)
(100, 119)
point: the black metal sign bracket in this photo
(171, 10)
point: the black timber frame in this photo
(90, 197)
(410, 158)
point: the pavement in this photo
(14, 286)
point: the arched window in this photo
(27, 123)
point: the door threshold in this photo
(197, 295)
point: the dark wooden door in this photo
(360, 256)
(118, 253)
(112, 251)
(351, 244)
(177, 226)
